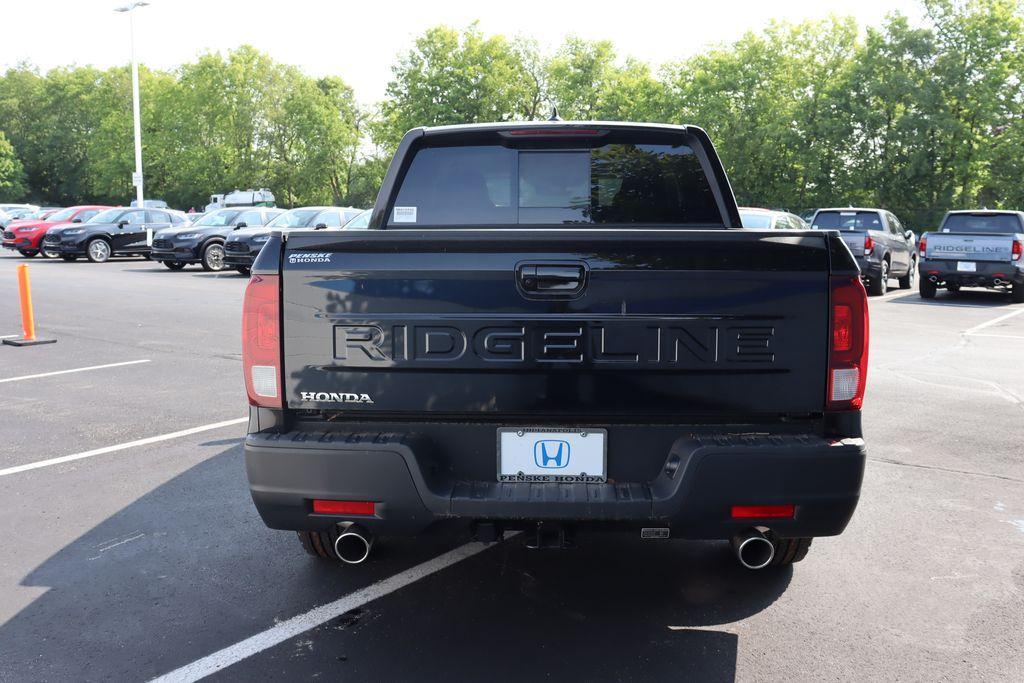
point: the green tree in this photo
(457, 77)
(12, 173)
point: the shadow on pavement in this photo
(179, 573)
(614, 610)
(188, 569)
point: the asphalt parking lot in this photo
(143, 558)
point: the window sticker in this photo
(404, 214)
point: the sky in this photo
(359, 41)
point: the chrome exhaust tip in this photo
(353, 545)
(753, 549)
(933, 278)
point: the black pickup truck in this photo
(551, 327)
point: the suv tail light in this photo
(848, 344)
(921, 245)
(869, 244)
(1018, 248)
(261, 341)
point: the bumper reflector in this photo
(344, 507)
(763, 511)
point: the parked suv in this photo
(242, 246)
(975, 249)
(883, 247)
(26, 236)
(120, 231)
(203, 241)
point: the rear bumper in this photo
(870, 269)
(702, 478)
(985, 274)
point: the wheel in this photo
(69, 258)
(174, 265)
(319, 544)
(880, 285)
(27, 253)
(907, 281)
(244, 270)
(1017, 293)
(213, 257)
(927, 289)
(789, 550)
(44, 253)
(98, 250)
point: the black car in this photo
(114, 232)
(203, 241)
(882, 245)
(242, 246)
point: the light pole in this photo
(137, 176)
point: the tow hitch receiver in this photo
(547, 535)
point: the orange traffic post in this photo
(28, 321)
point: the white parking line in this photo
(119, 447)
(994, 321)
(297, 625)
(998, 336)
(64, 372)
(9, 336)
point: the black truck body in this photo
(404, 374)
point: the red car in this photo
(26, 236)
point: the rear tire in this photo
(907, 281)
(927, 289)
(789, 550)
(213, 257)
(319, 544)
(174, 265)
(880, 285)
(1017, 294)
(27, 253)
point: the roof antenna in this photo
(554, 114)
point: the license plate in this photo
(966, 266)
(561, 456)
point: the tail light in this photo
(922, 243)
(869, 244)
(1018, 248)
(261, 341)
(848, 345)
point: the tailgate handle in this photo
(552, 279)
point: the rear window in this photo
(847, 220)
(490, 185)
(978, 222)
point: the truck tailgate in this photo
(854, 239)
(665, 322)
(971, 247)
